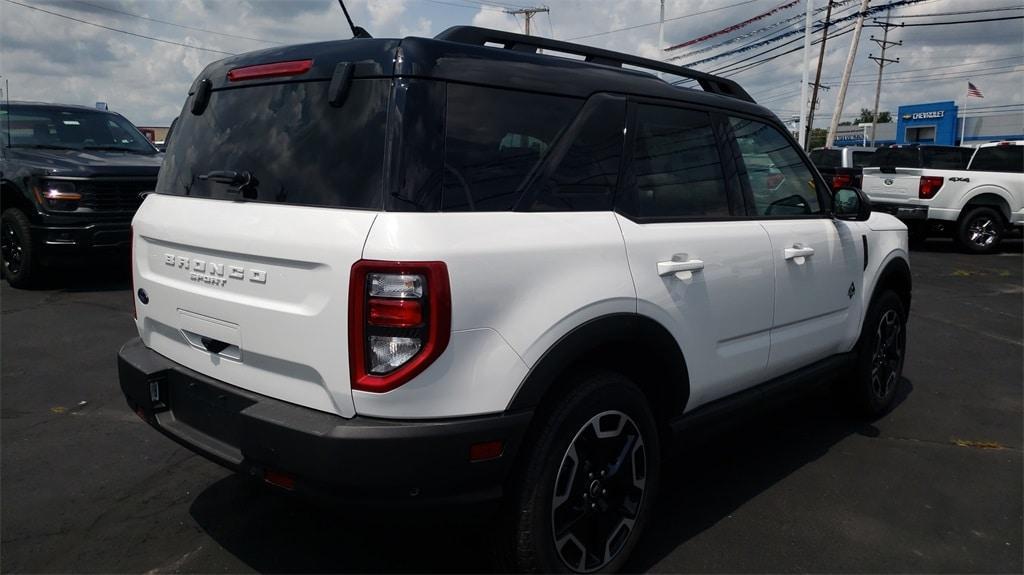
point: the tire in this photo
(19, 264)
(980, 229)
(881, 351)
(588, 431)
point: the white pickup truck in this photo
(980, 204)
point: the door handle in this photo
(798, 251)
(671, 267)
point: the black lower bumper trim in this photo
(358, 460)
(911, 212)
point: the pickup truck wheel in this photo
(880, 353)
(19, 265)
(981, 229)
(588, 482)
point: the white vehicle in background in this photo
(980, 204)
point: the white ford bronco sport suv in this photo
(459, 271)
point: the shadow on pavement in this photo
(947, 245)
(717, 471)
(88, 275)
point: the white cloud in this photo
(49, 58)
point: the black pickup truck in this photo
(71, 178)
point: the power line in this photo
(656, 22)
(193, 46)
(961, 21)
(1007, 9)
(139, 16)
(467, 7)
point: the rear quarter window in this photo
(494, 140)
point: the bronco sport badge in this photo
(213, 273)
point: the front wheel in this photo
(881, 350)
(19, 261)
(588, 482)
(981, 229)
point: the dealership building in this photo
(935, 123)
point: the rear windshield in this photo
(827, 158)
(282, 143)
(945, 158)
(999, 159)
(897, 157)
(937, 158)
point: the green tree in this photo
(865, 117)
(818, 136)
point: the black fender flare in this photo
(614, 339)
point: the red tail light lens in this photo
(399, 321)
(929, 186)
(394, 312)
(275, 70)
(841, 181)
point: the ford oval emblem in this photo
(888, 181)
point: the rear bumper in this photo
(358, 461)
(905, 212)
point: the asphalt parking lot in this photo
(935, 486)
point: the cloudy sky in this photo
(47, 55)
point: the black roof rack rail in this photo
(518, 42)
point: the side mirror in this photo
(851, 204)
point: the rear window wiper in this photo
(243, 183)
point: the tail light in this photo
(929, 186)
(842, 181)
(131, 243)
(400, 316)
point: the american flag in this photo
(973, 90)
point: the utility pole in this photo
(528, 14)
(841, 98)
(817, 75)
(808, 20)
(661, 34)
(882, 61)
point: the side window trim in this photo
(625, 194)
(824, 197)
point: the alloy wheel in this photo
(11, 248)
(983, 231)
(598, 491)
(887, 359)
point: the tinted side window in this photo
(676, 169)
(494, 140)
(588, 167)
(780, 182)
(827, 158)
(999, 159)
(861, 159)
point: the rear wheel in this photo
(587, 485)
(980, 229)
(19, 262)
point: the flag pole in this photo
(963, 120)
